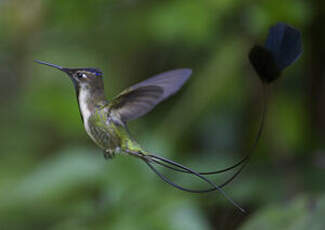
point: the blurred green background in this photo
(53, 177)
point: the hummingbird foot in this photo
(110, 153)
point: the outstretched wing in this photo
(142, 97)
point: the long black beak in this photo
(49, 64)
(66, 70)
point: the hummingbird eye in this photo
(81, 75)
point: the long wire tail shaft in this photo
(149, 158)
(172, 163)
(243, 161)
(257, 139)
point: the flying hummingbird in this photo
(106, 121)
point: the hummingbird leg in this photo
(109, 154)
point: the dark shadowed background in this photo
(53, 177)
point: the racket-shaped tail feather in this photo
(282, 48)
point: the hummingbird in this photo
(105, 121)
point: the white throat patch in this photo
(83, 103)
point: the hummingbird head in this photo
(85, 78)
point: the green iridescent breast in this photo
(103, 131)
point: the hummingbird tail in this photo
(246, 158)
(149, 159)
(243, 162)
(173, 165)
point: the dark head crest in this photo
(95, 71)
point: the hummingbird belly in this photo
(106, 140)
(110, 134)
(103, 133)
